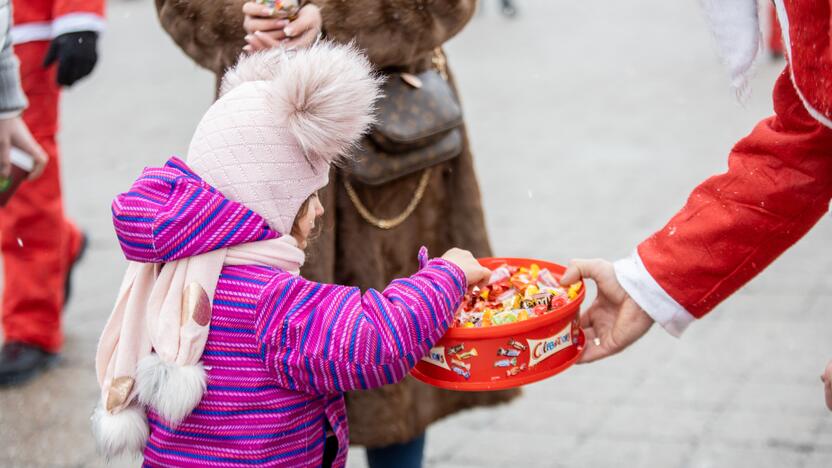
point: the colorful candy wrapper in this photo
(573, 290)
(462, 372)
(282, 8)
(464, 365)
(547, 278)
(505, 362)
(457, 349)
(468, 354)
(499, 274)
(515, 370)
(516, 344)
(508, 352)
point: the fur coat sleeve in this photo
(392, 32)
(209, 31)
(395, 33)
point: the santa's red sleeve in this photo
(778, 185)
(42, 20)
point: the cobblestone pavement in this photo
(605, 115)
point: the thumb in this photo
(51, 54)
(33, 149)
(580, 268)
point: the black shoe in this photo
(80, 255)
(20, 362)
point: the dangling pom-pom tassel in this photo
(122, 433)
(171, 390)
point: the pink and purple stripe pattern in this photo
(281, 350)
(170, 213)
(280, 354)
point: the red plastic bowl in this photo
(552, 342)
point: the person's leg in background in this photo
(406, 455)
(38, 243)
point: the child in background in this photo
(217, 352)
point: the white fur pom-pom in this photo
(123, 433)
(325, 92)
(171, 390)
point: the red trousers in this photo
(38, 242)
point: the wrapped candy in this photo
(514, 295)
(282, 8)
(506, 362)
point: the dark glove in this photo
(76, 55)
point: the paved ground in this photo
(604, 113)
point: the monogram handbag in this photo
(419, 125)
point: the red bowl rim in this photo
(569, 310)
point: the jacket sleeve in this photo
(394, 32)
(77, 15)
(12, 99)
(209, 31)
(778, 185)
(320, 338)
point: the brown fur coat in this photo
(395, 34)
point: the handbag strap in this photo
(440, 64)
(395, 221)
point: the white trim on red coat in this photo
(649, 295)
(76, 22)
(46, 30)
(783, 17)
(31, 32)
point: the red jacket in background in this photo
(41, 20)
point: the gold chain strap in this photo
(440, 64)
(394, 222)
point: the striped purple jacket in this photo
(281, 349)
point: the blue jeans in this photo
(406, 455)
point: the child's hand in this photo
(826, 377)
(474, 272)
(265, 32)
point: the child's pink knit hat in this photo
(282, 118)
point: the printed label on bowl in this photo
(540, 350)
(436, 356)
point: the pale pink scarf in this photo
(152, 344)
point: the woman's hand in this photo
(264, 31)
(475, 273)
(614, 321)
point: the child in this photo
(217, 352)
